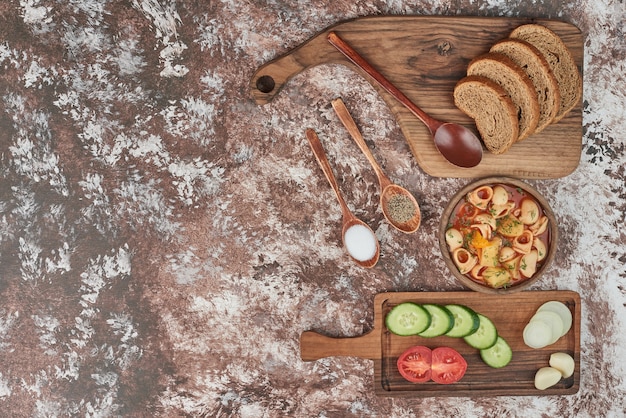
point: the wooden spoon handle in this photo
(320, 155)
(355, 133)
(314, 346)
(361, 63)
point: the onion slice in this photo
(553, 320)
(537, 334)
(560, 309)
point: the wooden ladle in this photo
(349, 220)
(389, 192)
(455, 142)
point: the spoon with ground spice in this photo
(398, 204)
(358, 238)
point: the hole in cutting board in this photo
(265, 84)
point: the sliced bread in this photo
(491, 108)
(531, 60)
(512, 78)
(561, 61)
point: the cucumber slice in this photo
(407, 318)
(486, 335)
(497, 356)
(441, 321)
(466, 321)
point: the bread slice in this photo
(492, 109)
(561, 61)
(531, 60)
(515, 82)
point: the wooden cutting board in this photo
(509, 313)
(425, 56)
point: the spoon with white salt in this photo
(358, 238)
(398, 204)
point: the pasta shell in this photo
(540, 246)
(528, 211)
(500, 196)
(524, 242)
(528, 264)
(480, 197)
(454, 239)
(540, 226)
(487, 219)
(512, 266)
(477, 273)
(464, 260)
(500, 211)
(484, 229)
(506, 254)
(468, 210)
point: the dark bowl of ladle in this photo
(455, 142)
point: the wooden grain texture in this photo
(424, 56)
(509, 313)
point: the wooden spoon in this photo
(391, 194)
(455, 142)
(349, 220)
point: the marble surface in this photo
(164, 240)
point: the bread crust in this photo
(525, 83)
(558, 55)
(514, 80)
(532, 61)
(492, 109)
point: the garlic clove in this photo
(547, 377)
(564, 363)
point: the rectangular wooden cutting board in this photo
(509, 313)
(425, 56)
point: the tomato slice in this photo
(414, 364)
(448, 366)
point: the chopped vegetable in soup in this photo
(498, 235)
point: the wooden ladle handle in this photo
(314, 346)
(365, 66)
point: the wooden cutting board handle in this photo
(314, 346)
(269, 79)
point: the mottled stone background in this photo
(164, 240)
